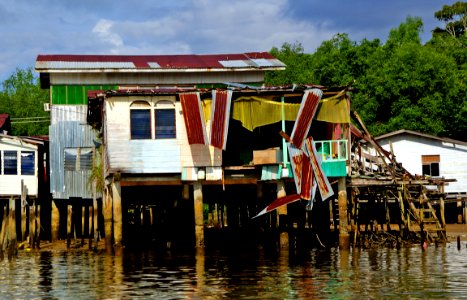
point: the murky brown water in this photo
(438, 272)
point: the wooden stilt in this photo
(90, 224)
(107, 204)
(55, 222)
(32, 223)
(24, 205)
(37, 222)
(12, 239)
(83, 215)
(282, 217)
(117, 215)
(344, 238)
(185, 192)
(95, 224)
(3, 229)
(198, 209)
(69, 225)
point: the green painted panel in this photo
(76, 94)
(58, 94)
(334, 168)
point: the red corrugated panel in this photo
(220, 118)
(305, 115)
(323, 183)
(193, 116)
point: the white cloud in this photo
(103, 30)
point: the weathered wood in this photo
(32, 223)
(185, 192)
(24, 205)
(344, 238)
(69, 224)
(37, 228)
(282, 217)
(117, 216)
(12, 235)
(90, 221)
(107, 205)
(3, 230)
(83, 215)
(55, 222)
(198, 210)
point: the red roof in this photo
(256, 60)
(3, 119)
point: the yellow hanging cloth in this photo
(255, 111)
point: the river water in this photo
(407, 273)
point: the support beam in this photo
(12, 239)
(282, 217)
(107, 208)
(117, 215)
(198, 208)
(69, 225)
(55, 222)
(344, 238)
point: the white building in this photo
(429, 155)
(21, 164)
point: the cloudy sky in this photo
(32, 27)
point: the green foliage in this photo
(400, 84)
(455, 19)
(23, 99)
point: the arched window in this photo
(140, 120)
(164, 120)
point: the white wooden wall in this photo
(154, 155)
(453, 158)
(11, 184)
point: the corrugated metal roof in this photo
(212, 62)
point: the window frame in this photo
(5, 165)
(430, 165)
(27, 171)
(153, 108)
(141, 106)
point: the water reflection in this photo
(260, 274)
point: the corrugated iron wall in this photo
(69, 130)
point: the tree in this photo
(23, 99)
(292, 55)
(455, 19)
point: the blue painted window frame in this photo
(28, 163)
(165, 126)
(10, 162)
(140, 124)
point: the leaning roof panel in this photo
(158, 63)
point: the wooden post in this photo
(3, 229)
(83, 215)
(90, 223)
(32, 223)
(198, 208)
(185, 192)
(441, 212)
(55, 222)
(282, 217)
(95, 224)
(107, 204)
(344, 239)
(69, 225)
(24, 205)
(37, 223)
(12, 240)
(117, 215)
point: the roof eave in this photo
(173, 70)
